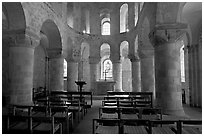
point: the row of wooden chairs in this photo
(38, 119)
(74, 106)
(130, 113)
(141, 99)
(126, 103)
(141, 126)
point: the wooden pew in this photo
(190, 127)
(163, 126)
(106, 126)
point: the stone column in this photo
(147, 71)
(21, 64)
(195, 76)
(167, 70)
(117, 74)
(56, 73)
(94, 73)
(136, 74)
(190, 65)
(186, 58)
(72, 75)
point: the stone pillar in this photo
(56, 73)
(72, 75)
(167, 70)
(117, 74)
(147, 71)
(190, 64)
(186, 58)
(195, 76)
(200, 73)
(21, 64)
(136, 74)
(94, 73)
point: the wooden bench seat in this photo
(107, 130)
(191, 130)
(162, 130)
(106, 126)
(46, 125)
(190, 126)
(135, 130)
(163, 126)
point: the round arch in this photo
(15, 15)
(50, 29)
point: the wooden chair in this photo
(46, 125)
(150, 113)
(190, 127)
(63, 116)
(163, 127)
(106, 126)
(110, 103)
(129, 113)
(18, 124)
(134, 126)
(126, 103)
(109, 113)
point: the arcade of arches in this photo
(138, 46)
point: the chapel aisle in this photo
(85, 125)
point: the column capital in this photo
(20, 38)
(164, 33)
(94, 60)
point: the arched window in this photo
(107, 69)
(182, 63)
(65, 68)
(124, 18)
(106, 28)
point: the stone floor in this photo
(85, 125)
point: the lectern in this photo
(80, 86)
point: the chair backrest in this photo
(191, 123)
(105, 122)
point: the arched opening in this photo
(126, 67)
(106, 64)
(54, 64)
(105, 26)
(13, 19)
(124, 18)
(65, 69)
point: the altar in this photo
(104, 86)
